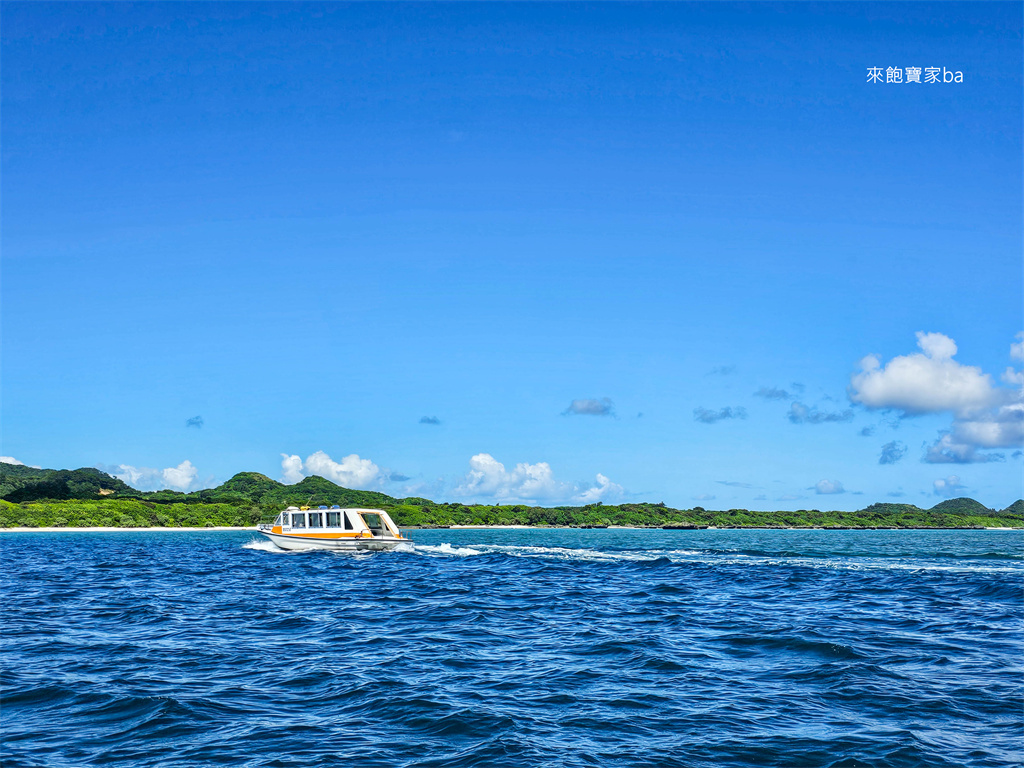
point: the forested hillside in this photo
(88, 497)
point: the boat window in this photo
(280, 519)
(334, 519)
(298, 520)
(316, 520)
(374, 523)
(348, 523)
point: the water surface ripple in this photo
(515, 648)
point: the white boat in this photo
(354, 530)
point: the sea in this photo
(515, 648)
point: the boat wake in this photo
(673, 556)
(441, 550)
(262, 545)
(697, 557)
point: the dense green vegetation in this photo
(18, 483)
(87, 497)
(122, 513)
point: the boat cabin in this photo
(323, 519)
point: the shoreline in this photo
(252, 529)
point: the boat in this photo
(349, 530)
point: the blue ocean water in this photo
(515, 648)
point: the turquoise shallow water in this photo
(515, 648)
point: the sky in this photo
(519, 253)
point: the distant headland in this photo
(86, 498)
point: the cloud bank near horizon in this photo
(984, 416)
(487, 478)
(179, 478)
(15, 462)
(351, 472)
(529, 483)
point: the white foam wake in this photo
(444, 550)
(680, 556)
(573, 553)
(264, 545)
(553, 553)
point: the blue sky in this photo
(532, 252)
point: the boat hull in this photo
(365, 544)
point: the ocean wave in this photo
(512, 648)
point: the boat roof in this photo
(332, 508)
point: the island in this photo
(87, 498)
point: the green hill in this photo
(885, 509)
(14, 476)
(1017, 508)
(318, 490)
(962, 506)
(20, 484)
(249, 485)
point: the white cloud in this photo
(1001, 427)
(802, 414)
(179, 478)
(984, 416)
(590, 407)
(12, 460)
(1017, 348)
(948, 487)
(772, 393)
(937, 346)
(291, 467)
(829, 486)
(604, 490)
(706, 416)
(351, 472)
(487, 477)
(1013, 377)
(930, 381)
(892, 452)
(949, 450)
